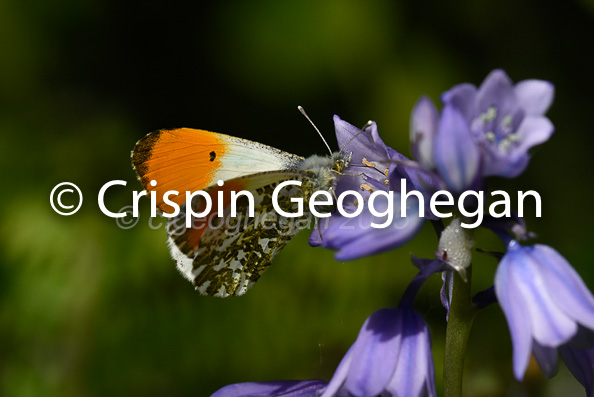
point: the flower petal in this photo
(424, 181)
(547, 359)
(307, 388)
(533, 131)
(355, 237)
(374, 353)
(571, 293)
(516, 314)
(551, 326)
(463, 97)
(496, 90)
(457, 157)
(339, 375)
(414, 375)
(362, 144)
(535, 96)
(423, 127)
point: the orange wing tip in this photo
(142, 154)
(181, 159)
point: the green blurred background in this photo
(90, 309)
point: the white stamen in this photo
(504, 144)
(506, 123)
(489, 115)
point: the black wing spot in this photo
(213, 155)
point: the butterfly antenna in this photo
(368, 124)
(316, 128)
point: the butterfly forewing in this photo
(186, 159)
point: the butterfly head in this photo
(340, 161)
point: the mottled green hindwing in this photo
(226, 255)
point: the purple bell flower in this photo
(374, 167)
(391, 356)
(503, 120)
(306, 388)
(544, 301)
(481, 132)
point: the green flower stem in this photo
(462, 312)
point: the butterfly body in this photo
(221, 254)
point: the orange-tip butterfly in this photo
(219, 254)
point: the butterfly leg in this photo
(331, 189)
(317, 223)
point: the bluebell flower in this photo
(503, 120)
(391, 356)
(307, 388)
(374, 167)
(544, 301)
(481, 132)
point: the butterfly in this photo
(220, 254)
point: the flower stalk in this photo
(461, 316)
